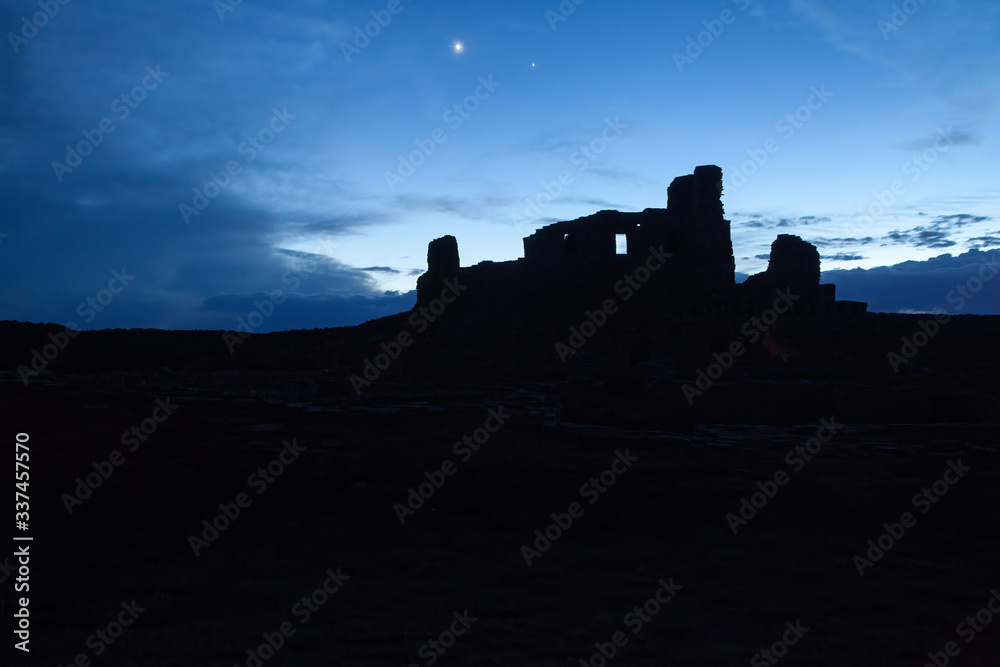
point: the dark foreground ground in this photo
(332, 509)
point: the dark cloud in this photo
(237, 303)
(842, 242)
(990, 241)
(923, 286)
(920, 237)
(960, 219)
(341, 224)
(380, 269)
(599, 204)
(843, 257)
(935, 235)
(943, 139)
(86, 232)
(757, 221)
(764, 256)
(308, 263)
(119, 209)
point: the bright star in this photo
(458, 47)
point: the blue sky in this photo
(867, 128)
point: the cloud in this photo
(599, 204)
(757, 221)
(843, 257)
(920, 237)
(344, 223)
(841, 242)
(120, 206)
(924, 286)
(960, 219)
(990, 241)
(132, 223)
(935, 235)
(380, 269)
(955, 137)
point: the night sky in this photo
(170, 164)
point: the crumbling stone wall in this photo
(573, 265)
(442, 255)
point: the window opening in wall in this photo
(621, 244)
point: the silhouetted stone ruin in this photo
(442, 255)
(793, 263)
(678, 259)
